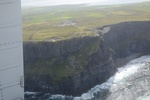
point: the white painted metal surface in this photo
(11, 52)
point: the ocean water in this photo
(131, 82)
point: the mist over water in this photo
(61, 2)
(131, 82)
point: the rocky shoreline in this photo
(73, 66)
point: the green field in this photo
(66, 21)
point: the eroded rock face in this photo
(128, 38)
(67, 67)
(73, 66)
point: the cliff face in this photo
(73, 66)
(67, 67)
(128, 38)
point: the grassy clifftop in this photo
(67, 21)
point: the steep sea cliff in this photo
(73, 66)
(130, 82)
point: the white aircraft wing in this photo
(11, 52)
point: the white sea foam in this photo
(144, 98)
(30, 93)
(122, 73)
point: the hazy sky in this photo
(59, 2)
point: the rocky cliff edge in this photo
(73, 66)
